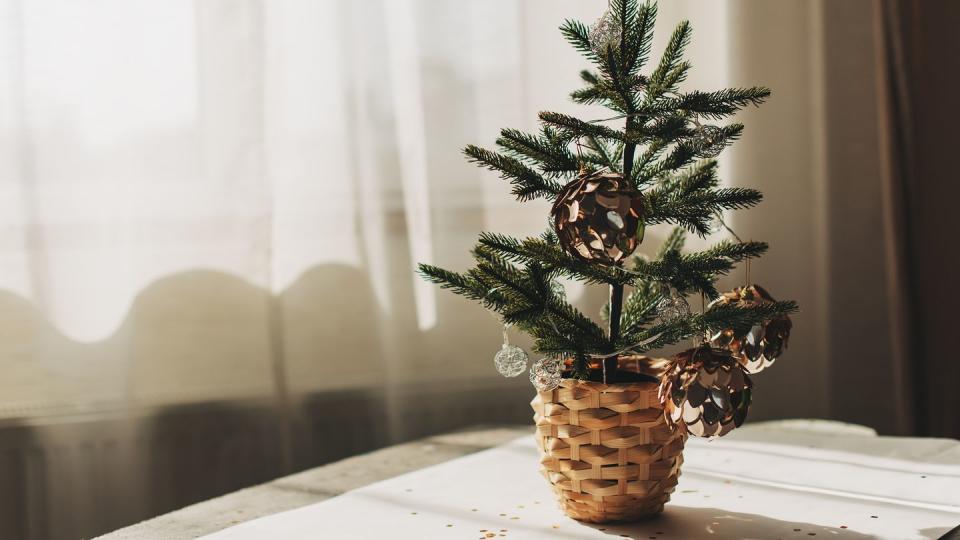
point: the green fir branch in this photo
(673, 243)
(552, 158)
(554, 257)
(661, 148)
(527, 183)
(574, 128)
(640, 307)
(721, 103)
(660, 80)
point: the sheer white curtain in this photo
(195, 193)
(226, 198)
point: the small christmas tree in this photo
(607, 184)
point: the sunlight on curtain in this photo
(193, 193)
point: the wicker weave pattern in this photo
(607, 450)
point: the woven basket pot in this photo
(606, 449)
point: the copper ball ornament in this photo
(598, 217)
(705, 392)
(758, 347)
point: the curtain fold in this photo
(921, 67)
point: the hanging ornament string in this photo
(628, 348)
(510, 360)
(581, 164)
(505, 325)
(746, 262)
(705, 336)
(723, 224)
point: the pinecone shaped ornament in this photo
(705, 392)
(599, 217)
(761, 345)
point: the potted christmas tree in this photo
(612, 421)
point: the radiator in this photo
(77, 476)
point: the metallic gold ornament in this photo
(706, 392)
(599, 218)
(757, 348)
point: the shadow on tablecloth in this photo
(678, 523)
(687, 522)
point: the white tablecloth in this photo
(777, 480)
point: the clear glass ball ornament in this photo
(558, 290)
(709, 141)
(673, 306)
(545, 374)
(606, 31)
(510, 360)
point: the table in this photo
(317, 484)
(767, 480)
